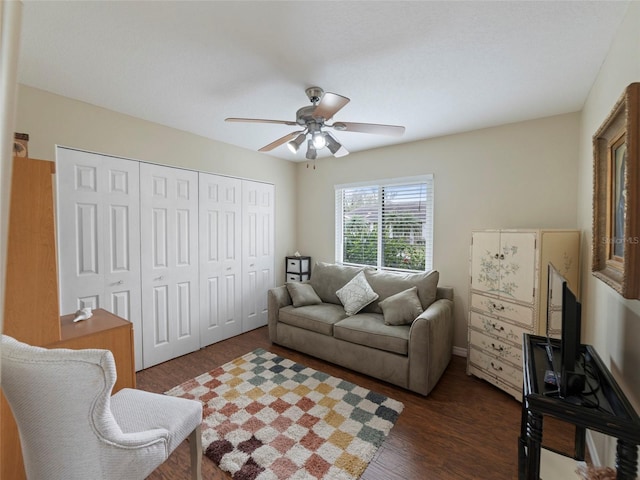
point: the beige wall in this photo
(514, 176)
(611, 323)
(51, 119)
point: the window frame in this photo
(427, 179)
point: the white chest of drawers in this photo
(508, 276)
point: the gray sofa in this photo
(310, 317)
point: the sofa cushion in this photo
(356, 294)
(302, 294)
(328, 278)
(317, 318)
(386, 283)
(370, 330)
(402, 308)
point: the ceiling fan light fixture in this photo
(294, 145)
(319, 141)
(311, 151)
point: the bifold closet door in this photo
(169, 262)
(220, 257)
(99, 236)
(257, 251)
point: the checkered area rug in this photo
(267, 417)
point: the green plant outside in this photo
(402, 242)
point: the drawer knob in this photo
(495, 327)
(497, 349)
(498, 368)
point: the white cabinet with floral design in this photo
(508, 274)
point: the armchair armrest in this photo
(277, 298)
(430, 345)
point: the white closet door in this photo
(99, 236)
(220, 258)
(169, 254)
(258, 251)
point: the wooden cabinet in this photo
(508, 275)
(106, 331)
(31, 312)
(297, 268)
(31, 292)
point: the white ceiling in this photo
(435, 67)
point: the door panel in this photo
(220, 261)
(169, 239)
(517, 265)
(485, 267)
(258, 248)
(98, 236)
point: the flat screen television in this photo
(563, 303)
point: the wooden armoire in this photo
(508, 296)
(31, 312)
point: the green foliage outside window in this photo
(402, 243)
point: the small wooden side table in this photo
(106, 331)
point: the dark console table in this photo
(601, 407)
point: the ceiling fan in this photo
(314, 119)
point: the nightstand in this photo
(297, 268)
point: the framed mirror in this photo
(616, 200)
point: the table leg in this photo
(626, 460)
(522, 439)
(534, 442)
(580, 441)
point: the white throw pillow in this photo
(356, 294)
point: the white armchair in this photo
(71, 427)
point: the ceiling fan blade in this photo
(330, 104)
(259, 120)
(280, 141)
(393, 130)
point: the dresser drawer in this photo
(297, 265)
(504, 351)
(297, 277)
(515, 392)
(497, 328)
(502, 308)
(496, 368)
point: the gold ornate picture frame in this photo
(616, 200)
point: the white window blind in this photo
(387, 224)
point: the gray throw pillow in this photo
(386, 283)
(402, 308)
(356, 294)
(302, 294)
(328, 278)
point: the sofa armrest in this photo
(444, 292)
(430, 345)
(277, 298)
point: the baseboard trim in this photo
(460, 352)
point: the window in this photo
(386, 224)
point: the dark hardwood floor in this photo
(465, 429)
